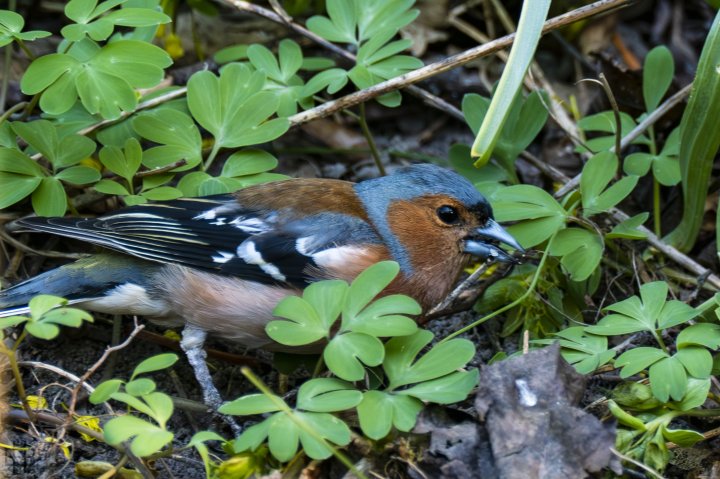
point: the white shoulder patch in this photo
(248, 253)
(336, 257)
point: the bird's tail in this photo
(83, 280)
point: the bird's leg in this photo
(193, 339)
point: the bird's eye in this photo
(448, 214)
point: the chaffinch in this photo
(222, 263)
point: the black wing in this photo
(214, 234)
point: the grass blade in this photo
(699, 140)
(529, 30)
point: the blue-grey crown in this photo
(418, 180)
(408, 183)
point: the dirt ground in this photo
(407, 134)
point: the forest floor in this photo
(335, 147)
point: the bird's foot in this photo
(193, 339)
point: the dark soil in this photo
(411, 133)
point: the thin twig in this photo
(427, 97)
(670, 251)
(653, 117)
(467, 283)
(287, 18)
(142, 106)
(109, 350)
(616, 112)
(18, 415)
(272, 16)
(649, 120)
(162, 169)
(66, 374)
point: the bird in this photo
(220, 264)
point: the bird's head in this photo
(428, 215)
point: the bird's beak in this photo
(484, 243)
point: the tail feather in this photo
(83, 280)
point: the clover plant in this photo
(677, 376)
(140, 394)
(47, 314)
(351, 322)
(368, 25)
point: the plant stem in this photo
(701, 412)
(12, 359)
(71, 207)
(30, 106)
(616, 113)
(25, 49)
(371, 141)
(19, 340)
(211, 156)
(659, 339)
(656, 208)
(6, 76)
(657, 220)
(11, 110)
(319, 366)
(708, 304)
(530, 290)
